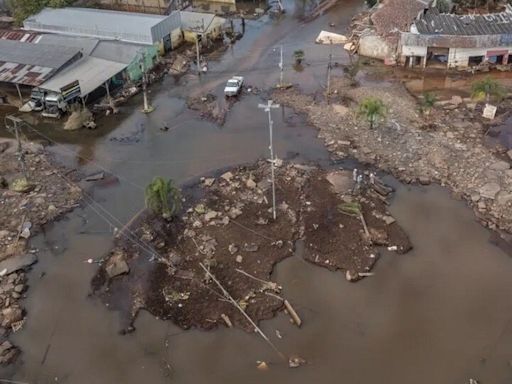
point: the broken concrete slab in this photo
(16, 263)
(490, 190)
(342, 181)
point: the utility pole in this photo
(197, 46)
(329, 67)
(147, 108)
(197, 54)
(15, 127)
(268, 108)
(281, 67)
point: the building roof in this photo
(432, 22)
(23, 36)
(31, 64)
(197, 21)
(90, 72)
(115, 51)
(394, 16)
(84, 44)
(104, 24)
(43, 55)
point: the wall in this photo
(134, 72)
(459, 57)
(375, 47)
(144, 6)
(176, 38)
(414, 51)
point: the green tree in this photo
(298, 54)
(427, 102)
(371, 3)
(487, 88)
(372, 109)
(163, 198)
(21, 9)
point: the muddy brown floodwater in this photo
(439, 314)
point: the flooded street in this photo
(440, 314)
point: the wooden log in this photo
(295, 317)
(251, 321)
(226, 320)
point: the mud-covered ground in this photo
(231, 232)
(25, 207)
(448, 145)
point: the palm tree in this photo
(162, 197)
(299, 56)
(427, 102)
(487, 88)
(372, 109)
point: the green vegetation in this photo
(372, 109)
(427, 102)
(299, 56)
(21, 9)
(371, 3)
(351, 209)
(163, 198)
(487, 88)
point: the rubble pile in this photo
(27, 201)
(447, 146)
(231, 233)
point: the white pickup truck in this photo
(234, 86)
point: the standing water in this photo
(440, 314)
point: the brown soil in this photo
(231, 231)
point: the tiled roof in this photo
(394, 16)
(466, 25)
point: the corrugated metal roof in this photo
(465, 25)
(27, 37)
(91, 73)
(24, 74)
(50, 56)
(104, 24)
(84, 44)
(115, 51)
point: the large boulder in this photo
(117, 265)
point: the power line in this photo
(81, 157)
(113, 221)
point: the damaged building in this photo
(414, 33)
(377, 33)
(457, 41)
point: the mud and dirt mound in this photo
(231, 232)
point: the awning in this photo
(90, 72)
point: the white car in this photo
(234, 86)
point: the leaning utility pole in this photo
(268, 108)
(147, 108)
(16, 121)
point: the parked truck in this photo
(234, 86)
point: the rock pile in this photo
(231, 232)
(27, 201)
(451, 152)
